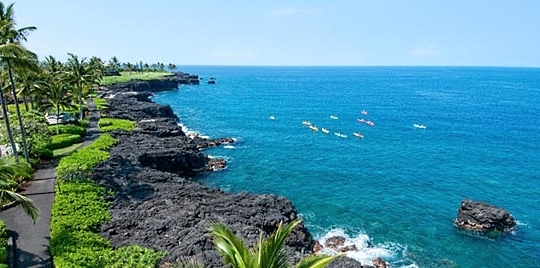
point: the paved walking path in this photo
(30, 240)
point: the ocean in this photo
(395, 192)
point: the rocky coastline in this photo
(157, 203)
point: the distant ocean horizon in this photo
(395, 192)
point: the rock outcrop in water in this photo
(483, 217)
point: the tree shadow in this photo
(19, 258)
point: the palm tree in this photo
(270, 252)
(81, 74)
(28, 61)
(28, 80)
(6, 122)
(9, 170)
(13, 54)
(113, 67)
(99, 67)
(172, 67)
(56, 95)
(16, 55)
(51, 66)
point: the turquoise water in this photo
(400, 187)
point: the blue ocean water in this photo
(396, 192)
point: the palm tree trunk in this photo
(31, 100)
(57, 118)
(8, 127)
(25, 100)
(23, 132)
(79, 93)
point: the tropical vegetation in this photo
(11, 175)
(269, 252)
(3, 245)
(80, 208)
(110, 124)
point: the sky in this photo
(288, 33)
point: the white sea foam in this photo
(366, 251)
(229, 147)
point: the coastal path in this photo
(29, 245)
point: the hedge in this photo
(110, 124)
(63, 140)
(71, 129)
(79, 209)
(101, 103)
(104, 143)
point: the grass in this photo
(66, 150)
(110, 124)
(11, 108)
(127, 76)
(101, 103)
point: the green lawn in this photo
(127, 76)
(66, 150)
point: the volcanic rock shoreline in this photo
(156, 203)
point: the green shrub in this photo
(3, 244)
(133, 256)
(110, 124)
(79, 209)
(42, 152)
(83, 123)
(80, 205)
(101, 103)
(79, 164)
(69, 129)
(104, 143)
(63, 140)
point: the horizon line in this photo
(398, 66)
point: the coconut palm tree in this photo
(269, 252)
(7, 124)
(55, 95)
(16, 55)
(27, 79)
(81, 74)
(113, 67)
(12, 53)
(27, 60)
(51, 66)
(9, 170)
(172, 67)
(99, 67)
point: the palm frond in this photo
(9, 169)
(272, 252)
(230, 247)
(28, 206)
(317, 261)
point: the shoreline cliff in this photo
(156, 204)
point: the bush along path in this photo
(30, 241)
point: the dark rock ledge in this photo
(155, 202)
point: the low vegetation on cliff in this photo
(80, 208)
